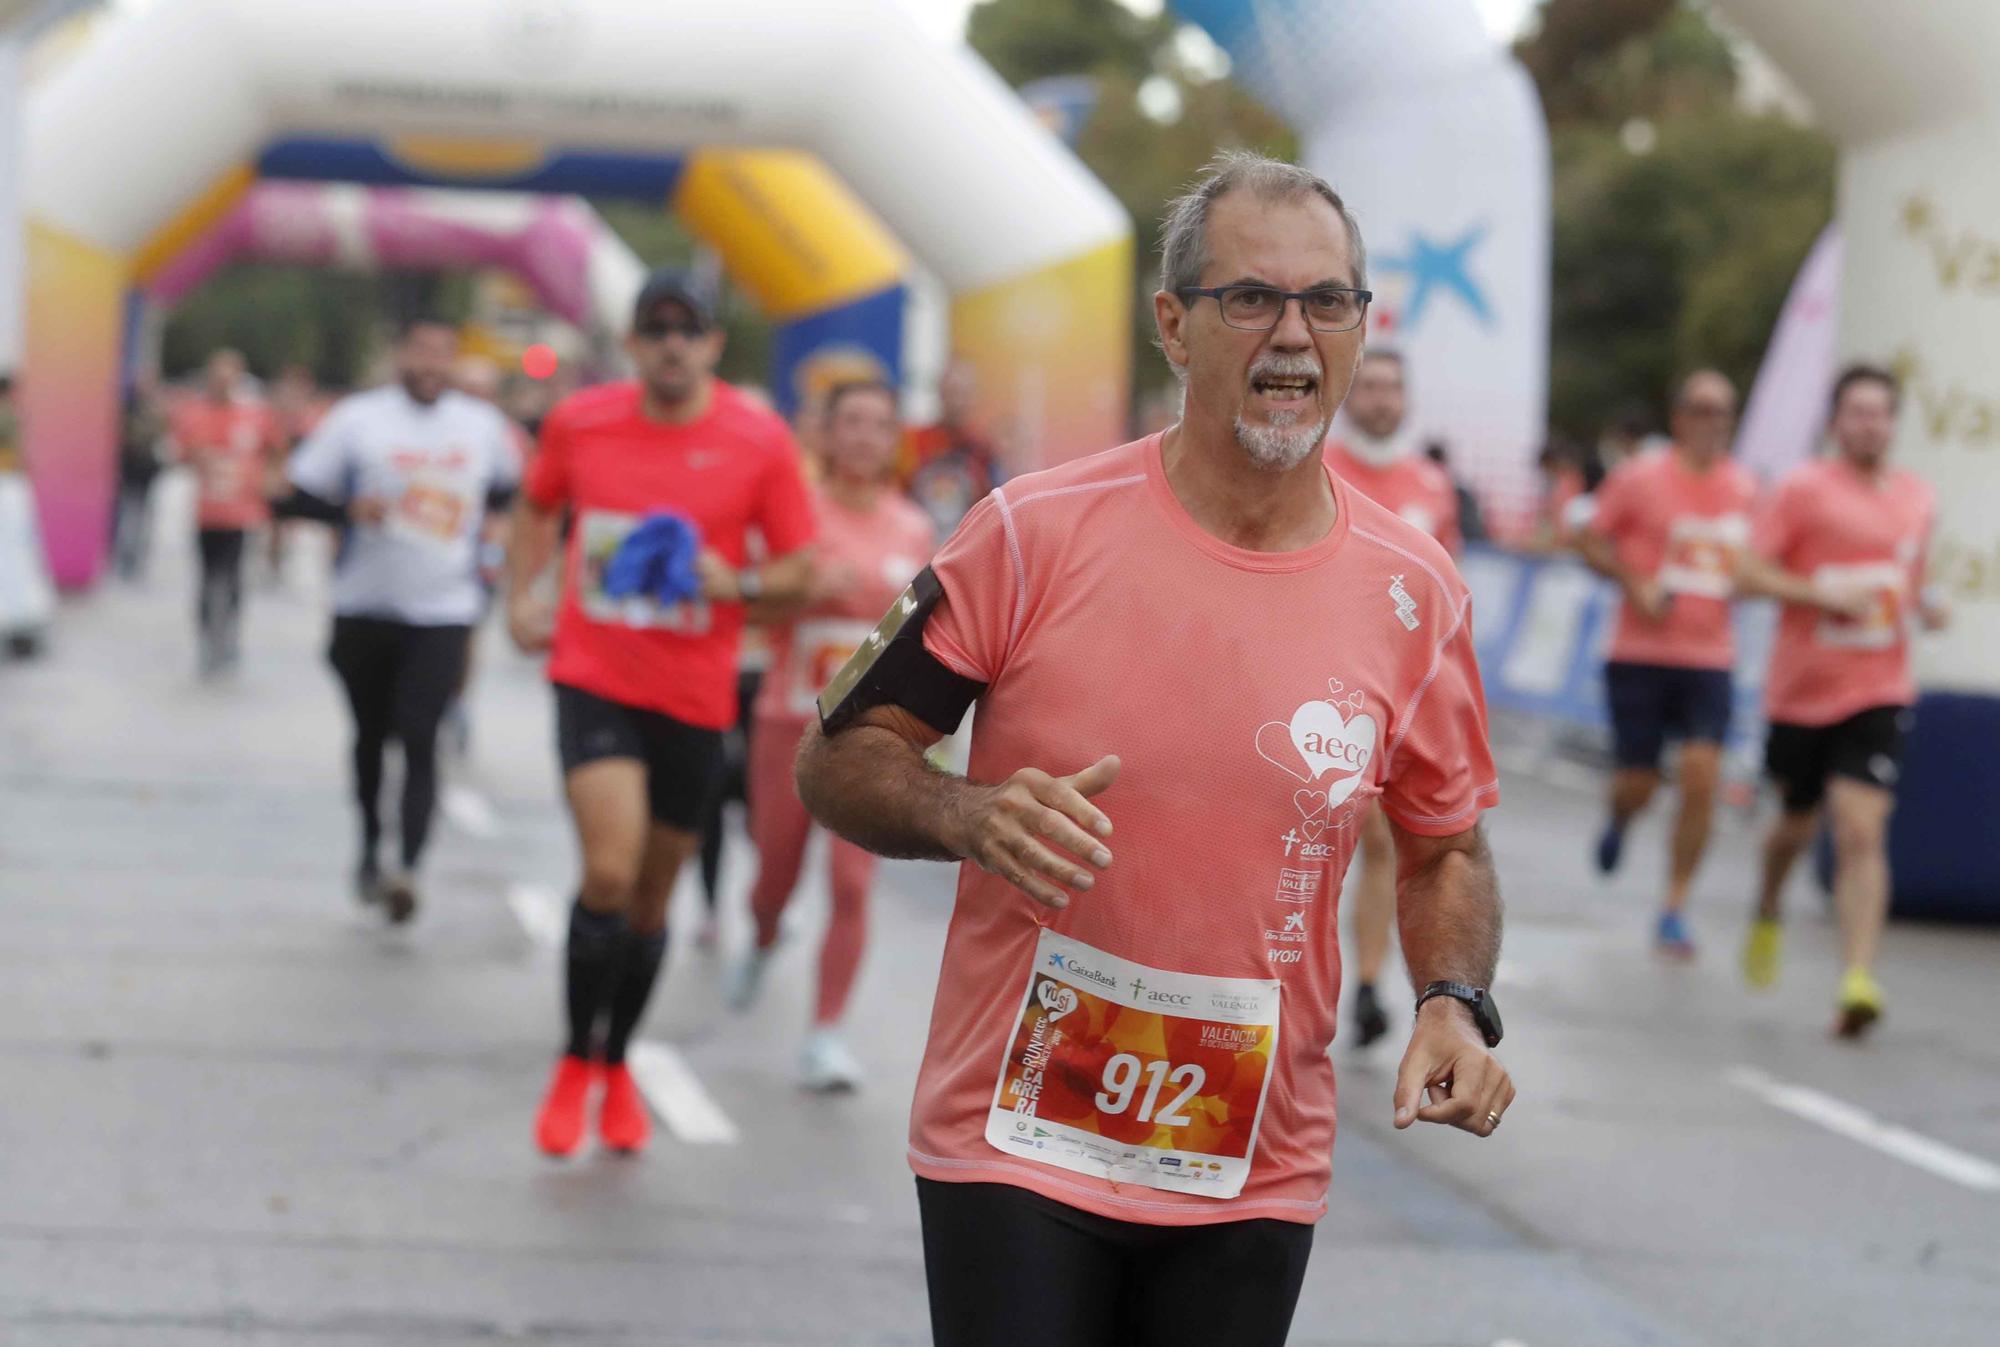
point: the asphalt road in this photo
(233, 1110)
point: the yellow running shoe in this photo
(1860, 1003)
(1761, 951)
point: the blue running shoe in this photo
(1610, 846)
(1672, 937)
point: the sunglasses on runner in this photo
(659, 329)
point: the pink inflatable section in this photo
(547, 241)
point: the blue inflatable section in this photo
(862, 339)
(646, 177)
(1944, 845)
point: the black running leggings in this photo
(735, 784)
(221, 599)
(1007, 1266)
(399, 680)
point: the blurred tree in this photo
(332, 320)
(1680, 217)
(1144, 157)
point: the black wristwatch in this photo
(1485, 1014)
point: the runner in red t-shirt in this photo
(1378, 456)
(1668, 528)
(871, 542)
(233, 443)
(663, 478)
(1842, 544)
(1123, 1123)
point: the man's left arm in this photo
(1448, 909)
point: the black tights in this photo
(219, 608)
(1008, 1266)
(735, 785)
(399, 680)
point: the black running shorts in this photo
(1866, 747)
(683, 762)
(1652, 703)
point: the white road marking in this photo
(1859, 1125)
(540, 913)
(676, 1094)
(469, 812)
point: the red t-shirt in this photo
(1685, 529)
(1844, 530)
(1414, 488)
(884, 548)
(734, 469)
(231, 446)
(1157, 1051)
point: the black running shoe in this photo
(1369, 1020)
(367, 883)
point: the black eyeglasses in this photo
(659, 330)
(1258, 308)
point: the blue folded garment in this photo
(657, 559)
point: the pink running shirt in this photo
(231, 446)
(1259, 702)
(884, 548)
(1685, 529)
(1414, 488)
(1830, 523)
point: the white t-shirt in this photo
(434, 467)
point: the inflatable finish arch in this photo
(577, 268)
(681, 104)
(1908, 93)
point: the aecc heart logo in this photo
(1319, 741)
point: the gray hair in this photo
(1184, 235)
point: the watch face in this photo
(1487, 1016)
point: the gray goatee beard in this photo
(1283, 444)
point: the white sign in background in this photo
(1922, 293)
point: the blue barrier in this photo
(1540, 625)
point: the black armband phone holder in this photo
(892, 668)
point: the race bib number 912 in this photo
(1134, 1074)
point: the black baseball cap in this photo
(674, 287)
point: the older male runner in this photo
(1379, 457)
(1123, 1125)
(1842, 543)
(1668, 529)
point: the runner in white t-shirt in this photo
(410, 470)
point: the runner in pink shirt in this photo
(872, 540)
(1842, 544)
(1377, 455)
(232, 441)
(1668, 528)
(1198, 657)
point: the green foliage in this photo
(1674, 256)
(1144, 163)
(1025, 40)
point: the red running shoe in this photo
(559, 1126)
(621, 1117)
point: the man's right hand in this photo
(1649, 599)
(1038, 832)
(1853, 605)
(531, 622)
